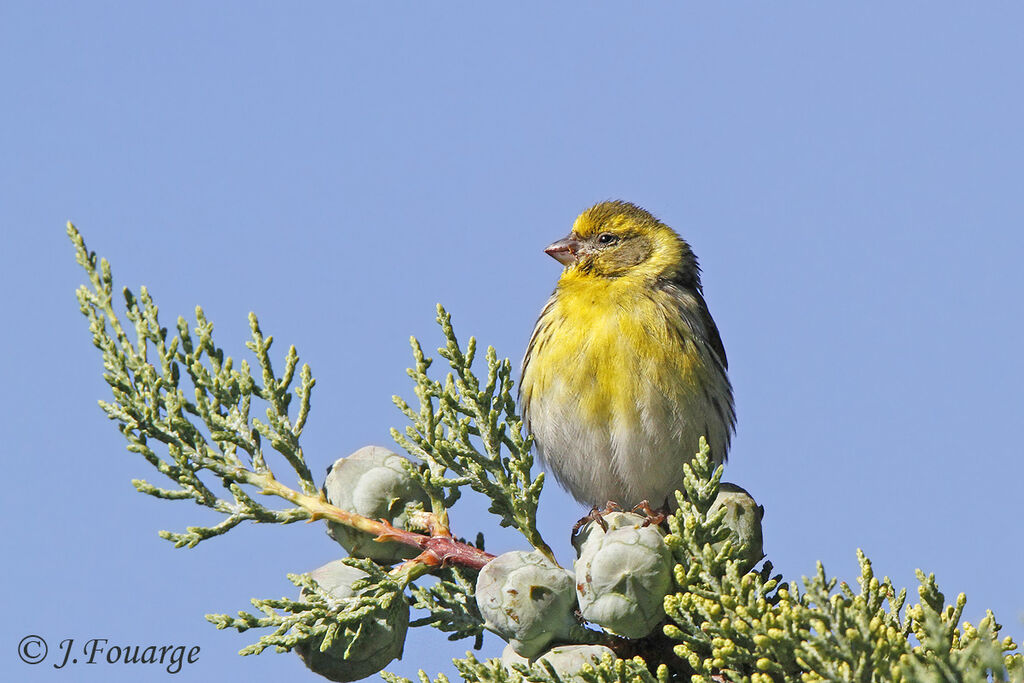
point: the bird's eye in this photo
(607, 238)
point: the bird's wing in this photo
(693, 309)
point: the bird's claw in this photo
(654, 517)
(651, 515)
(596, 515)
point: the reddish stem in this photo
(437, 550)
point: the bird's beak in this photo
(564, 250)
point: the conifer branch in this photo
(474, 432)
(188, 410)
(184, 393)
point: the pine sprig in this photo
(202, 421)
(746, 627)
(320, 617)
(608, 670)
(451, 603)
(457, 415)
(183, 393)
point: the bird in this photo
(625, 369)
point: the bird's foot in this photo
(651, 516)
(596, 515)
(654, 517)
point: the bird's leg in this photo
(654, 517)
(596, 515)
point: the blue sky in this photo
(850, 178)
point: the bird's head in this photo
(618, 239)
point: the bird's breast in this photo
(609, 351)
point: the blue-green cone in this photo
(527, 600)
(622, 574)
(370, 646)
(743, 516)
(373, 483)
(567, 660)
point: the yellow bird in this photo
(625, 370)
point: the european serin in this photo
(625, 370)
